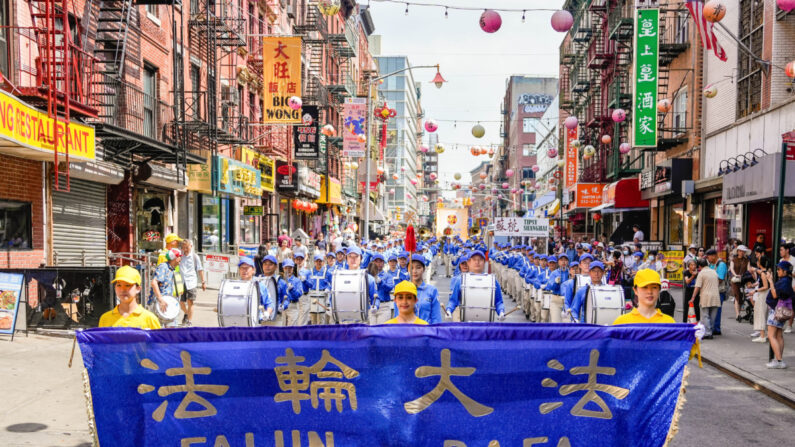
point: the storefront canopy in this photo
(623, 195)
(758, 182)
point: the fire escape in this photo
(53, 73)
(673, 126)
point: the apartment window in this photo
(528, 150)
(529, 125)
(15, 225)
(680, 111)
(682, 26)
(749, 71)
(527, 173)
(150, 101)
(4, 39)
(194, 110)
(152, 12)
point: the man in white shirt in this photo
(192, 272)
(638, 236)
(299, 249)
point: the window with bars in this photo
(749, 71)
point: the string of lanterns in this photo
(304, 206)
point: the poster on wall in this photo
(354, 115)
(10, 293)
(674, 268)
(305, 136)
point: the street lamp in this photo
(438, 80)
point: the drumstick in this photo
(324, 307)
(514, 310)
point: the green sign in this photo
(647, 63)
(255, 210)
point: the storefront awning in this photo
(601, 207)
(624, 193)
(375, 214)
(612, 210)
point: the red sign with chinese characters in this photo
(281, 67)
(571, 158)
(589, 195)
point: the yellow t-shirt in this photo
(635, 317)
(417, 321)
(140, 318)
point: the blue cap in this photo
(552, 259)
(531, 252)
(563, 255)
(543, 257)
(596, 265)
(574, 264)
(392, 258)
(586, 246)
(377, 256)
(318, 257)
(403, 254)
(270, 258)
(463, 258)
(418, 258)
(247, 261)
(288, 263)
(300, 254)
(477, 253)
(536, 256)
(586, 256)
(341, 250)
(637, 253)
(785, 265)
(355, 251)
(330, 254)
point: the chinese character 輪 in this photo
(295, 379)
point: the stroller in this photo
(749, 286)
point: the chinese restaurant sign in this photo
(589, 195)
(25, 126)
(521, 226)
(282, 76)
(571, 157)
(237, 178)
(259, 161)
(402, 385)
(647, 43)
(306, 135)
(354, 117)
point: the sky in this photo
(475, 64)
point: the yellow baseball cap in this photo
(171, 237)
(406, 287)
(128, 274)
(647, 276)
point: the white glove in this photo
(373, 308)
(448, 314)
(501, 316)
(700, 330)
(557, 280)
(565, 315)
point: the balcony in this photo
(619, 95)
(672, 130)
(620, 166)
(620, 22)
(313, 27)
(341, 85)
(216, 23)
(315, 93)
(346, 43)
(27, 76)
(674, 34)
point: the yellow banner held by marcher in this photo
(282, 75)
(28, 133)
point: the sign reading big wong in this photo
(282, 76)
(647, 61)
(443, 385)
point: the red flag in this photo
(704, 27)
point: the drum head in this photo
(171, 312)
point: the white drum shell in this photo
(547, 298)
(605, 304)
(316, 297)
(477, 297)
(539, 295)
(238, 304)
(172, 311)
(349, 296)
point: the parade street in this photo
(44, 405)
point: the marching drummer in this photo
(300, 268)
(276, 286)
(167, 281)
(567, 289)
(331, 262)
(319, 278)
(585, 263)
(354, 258)
(596, 271)
(476, 265)
(428, 307)
(246, 269)
(384, 284)
(291, 307)
(406, 302)
(340, 264)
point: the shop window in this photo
(15, 225)
(151, 218)
(529, 125)
(212, 233)
(676, 219)
(788, 222)
(749, 70)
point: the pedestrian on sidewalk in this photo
(780, 292)
(760, 272)
(193, 274)
(737, 268)
(722, 270)
(690, 286)
(707, 288)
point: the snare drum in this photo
(172, 310)
(477, 297)
(349, 296)
(546, 300)
(238, 304)
(604, 304)
(316, 298)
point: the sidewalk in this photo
(735, 354)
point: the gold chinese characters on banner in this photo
(282, 78)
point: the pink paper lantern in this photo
(424, 149)
(431, 126)
(402, 169)
(490, 21)
(552, 152)
(619, 115)
(495, 191)
(482, 186)
(505, 185)
(432, 176)
(571, 122)
(509, 173)
(624, 148)
(607, 139)
(786, 5)
(413, 181)
(294, 102)
(562, 21)
(536, 168)
(392, 191)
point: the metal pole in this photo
(366, 192)
(780, 200)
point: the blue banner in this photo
(448, 385)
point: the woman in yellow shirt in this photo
(406, 302)
(127, 285)
(647, 289)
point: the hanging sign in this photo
(589, 195)
(521, 226)
(237, 178)
(647, 43)
(571, 157)
(286, 176)
(253, 210)
(262, 162)
(354, 115)
(282, 77)
(306, 136)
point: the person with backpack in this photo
(722, 270)
(779, 301)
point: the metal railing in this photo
(128, 107)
